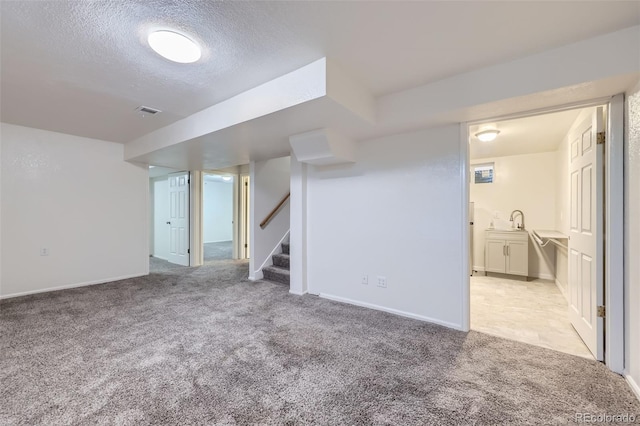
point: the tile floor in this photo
(533, 312)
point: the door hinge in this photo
(601, 312)
(245, 246)
(188, 181)
(601, 138)
(188, 251)
(246, 184)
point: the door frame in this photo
(243, 218)
(613, 212)
(235, 212)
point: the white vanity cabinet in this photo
(507, 252)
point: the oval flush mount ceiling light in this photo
(174, 46)
(487, 135)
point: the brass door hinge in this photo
(601, 312)
(601, 138)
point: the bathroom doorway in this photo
(525, 200)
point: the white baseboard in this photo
(160, 257)
(298, 293)
(391, 311)
(634, 386)
(256, 276)
(544, 276)
(562, 290)
(478, 268)
(218, 241)
(65, 287)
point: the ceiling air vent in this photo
(147, 110)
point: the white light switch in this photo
(365, 280)
(44, 251)
(382, 282)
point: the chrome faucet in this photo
(521, 226)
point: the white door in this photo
(586, 287)
(179, 218)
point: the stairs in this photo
(279, 272)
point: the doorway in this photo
(169, 208)
(526, 191)
(218, 216)
(224, 225)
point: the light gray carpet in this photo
(204, 346)
(218, 251)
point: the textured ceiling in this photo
(81, 67)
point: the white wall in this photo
(160, 216)
(632, 241)
(395, 213)
(77, 198)
(217, 220)
(269, 182)
(523, 182)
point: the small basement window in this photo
(483, 173)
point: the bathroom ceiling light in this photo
(226, 178)
(175, 47)
(487, 135)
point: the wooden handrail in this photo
(274, 211)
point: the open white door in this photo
(179, 218)
(586, 265)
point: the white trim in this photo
(478, 268)
(465, 294)
(256, 276)
(634, 386)
(269, 260)
(218, 241)
(298, 293)
(390, 310)
(562, 290)
(65, 287)
(243, 218)
(159, 257)
(544, 276)
(546, 110)
(614, 231)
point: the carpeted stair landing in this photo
(279, 271)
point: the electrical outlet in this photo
(365, 280)
(382, 282)
(44, 251)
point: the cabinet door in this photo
(494, 256)
(518, 257)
